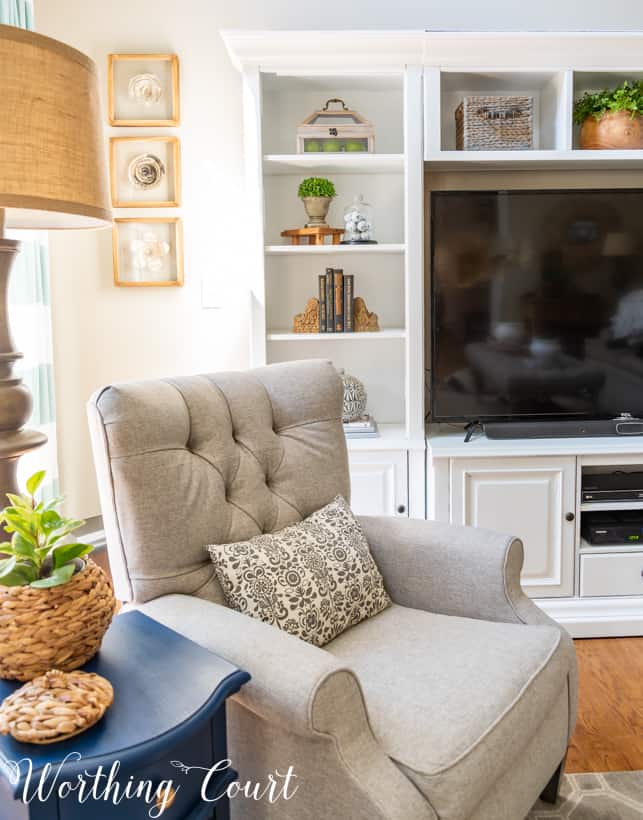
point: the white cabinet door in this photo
(379, 482)
(528, 497)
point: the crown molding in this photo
(320, 52)
(534, 49)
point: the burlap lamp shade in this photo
(52, 175)
(52, 167)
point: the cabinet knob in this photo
(569, 517)
(401, 509)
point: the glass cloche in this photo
(358, 223)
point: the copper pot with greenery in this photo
(611, 118)
(55, 604)
(316, 193)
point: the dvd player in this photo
(617, 486)
(615, 528)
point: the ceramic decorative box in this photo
(335, 128)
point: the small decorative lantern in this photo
(358, 223)
(335, 130)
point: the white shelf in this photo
(589, 549)
(369, 336)
(391, 437)
(316, 250)
(446, 442)
(611, 506)
(333, 163)
(580, 159)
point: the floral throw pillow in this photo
(313, 579)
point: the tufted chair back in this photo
(208, 459)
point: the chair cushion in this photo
(454, 700)
(313, 579)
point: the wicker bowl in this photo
(57, 628)
(55, 706)
(614, 130)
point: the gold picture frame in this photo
(123, 191)
(138, 252)
(125, 110)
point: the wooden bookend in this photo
(308, 321)
(364, 319)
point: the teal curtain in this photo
(30, 313)
(16, 13)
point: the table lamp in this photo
(52, 175)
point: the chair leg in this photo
(550, 793)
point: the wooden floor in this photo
(609, 732)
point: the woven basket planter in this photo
(494, 124)
(57, 628)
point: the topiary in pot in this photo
(611, 118)
(316, 193)
(55, 605)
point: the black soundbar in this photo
(622, 426)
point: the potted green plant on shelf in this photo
(316, 193)
(611, 118)
(55, 604)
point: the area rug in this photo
(610, 796)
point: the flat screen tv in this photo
(536, 304)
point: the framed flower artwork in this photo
(145, 172)
(143, 89)
(148, 252)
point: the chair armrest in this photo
(465, 571)
(288, 675)
(301, 688)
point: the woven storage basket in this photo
(57, 628)
(494, 123)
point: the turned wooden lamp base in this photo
(15, 399)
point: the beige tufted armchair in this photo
(456, 703)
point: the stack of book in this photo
(363, 427)
(335, 301)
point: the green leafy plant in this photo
(36, 555)
(626, 97)
(316, 186)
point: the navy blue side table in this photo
(167, 722)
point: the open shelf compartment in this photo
(549, 89)
(377, 362)
(384, 191)
(288, 100)
(608, 513)
(597, 80)
(292, 280)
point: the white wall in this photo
(104, 334)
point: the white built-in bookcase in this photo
(409, 84)
(387, 275)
